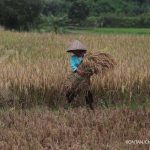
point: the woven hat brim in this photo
(76, 50)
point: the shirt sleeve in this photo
(73, 64)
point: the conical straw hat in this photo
(76, 45)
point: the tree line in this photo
(27, 14)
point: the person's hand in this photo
(80, 72)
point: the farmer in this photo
(78, 80)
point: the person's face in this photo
(79, 53)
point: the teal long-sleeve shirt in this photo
(75, 62)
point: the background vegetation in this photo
(27, 15)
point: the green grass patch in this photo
(136, 31)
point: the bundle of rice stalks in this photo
(97, 63)
(75, 84)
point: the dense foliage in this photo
(26, 14)
(20, 14)
(78, 11)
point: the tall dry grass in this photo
(33, 67)
(75, 129)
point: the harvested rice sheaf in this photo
(97, 63)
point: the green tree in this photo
(55, 7)
(20, 14)
(78, 11)
(104, 7)
(57, 23)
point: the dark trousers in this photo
(88, 98)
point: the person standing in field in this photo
(78, 79)
(84, 65)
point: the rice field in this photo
(33, 67)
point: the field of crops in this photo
(32, 70)
(33, 67)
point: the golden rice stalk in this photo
(97, 63)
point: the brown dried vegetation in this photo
(74, 129)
